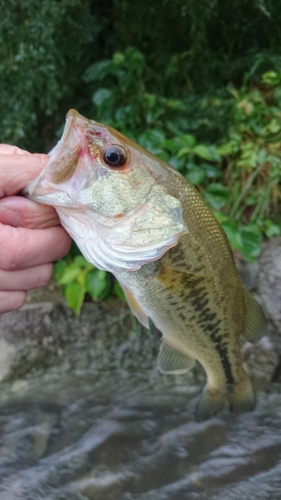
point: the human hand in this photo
(31, 237)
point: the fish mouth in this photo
(63, 175)
(74, 124)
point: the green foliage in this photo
(200, 45)
(42, 53)
(238, 175)
(254, 150)
(78, 277)
(196, 83)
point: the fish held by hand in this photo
(132, 214)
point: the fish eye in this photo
(114, 156)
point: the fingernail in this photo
(9, 217)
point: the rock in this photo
(48, 334)
(269, 282)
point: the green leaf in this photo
(69, 274)
(177, 163)
(101, 95)
(152, 141)
(75, 293)
(59, 269)
(80, 261)
(217, 196)
(273, 230)
(135, 59)
(247, 239)
(96, 283)
(195, 175)
(206, 152)
(188, 140)
(175, 104)
(118, 58)
(118, 290)
(232, 232)
(98, 70)
(211, 171)
(251, 242)
(183, 152)
(226, 149)
(81, 278)
(271, 78)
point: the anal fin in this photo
(255, 321)
(171, 360)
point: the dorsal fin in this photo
(255, 321)
(135, 307)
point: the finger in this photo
(25, 279)
(22, 248)
(17, 211)
(10, 301)
(8, 149)
(17, 170)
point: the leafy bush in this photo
(239, 175)
(79, 278)
(195, 98)
(43, 50)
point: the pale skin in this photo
(31, 237)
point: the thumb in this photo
(17, 170)
(17, 211)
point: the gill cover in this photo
(120, 219)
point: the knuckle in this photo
(11, 301)
(13, 244)
(19, 299)
(63, 243)
(43, 274)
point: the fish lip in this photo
(73, 134)
(72, 117)
(46, 198)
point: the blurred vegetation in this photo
(196, 83)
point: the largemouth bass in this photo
(137, 217)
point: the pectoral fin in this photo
(255, 321)
(172, 361)
(136, 308)
(177, 280)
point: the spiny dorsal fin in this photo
(135, 307)
(172, 361)
(255, 321)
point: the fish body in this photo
(137, 217)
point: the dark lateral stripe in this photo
(211, 326)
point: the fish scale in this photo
(137, 217)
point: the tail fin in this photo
(209, 404)
(241, 399)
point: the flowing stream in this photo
(131, 435)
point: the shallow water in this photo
(125, 435)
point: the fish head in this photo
(110, 195)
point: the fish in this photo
(134, 215)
